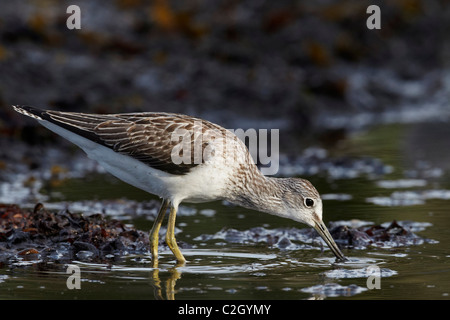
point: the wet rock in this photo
(345, 236)
(27, 252)
(392, 235)
(16, 237)
(63, 235)
(111, 246)
(284, 243)
(352, 234)
(85, 255)
(84, 247)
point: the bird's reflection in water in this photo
(169, 284)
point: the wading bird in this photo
(144, 150)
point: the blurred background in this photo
(312, 69)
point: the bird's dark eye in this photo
(309, 202)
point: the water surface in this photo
(368, 180)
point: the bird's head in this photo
(301, 202)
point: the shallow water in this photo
(379, 180)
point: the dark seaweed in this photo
(64, 235)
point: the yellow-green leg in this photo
(154, 233)
(170, 236)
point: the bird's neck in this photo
(255, 191)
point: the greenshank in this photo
(182, 158)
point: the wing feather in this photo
(149, 137)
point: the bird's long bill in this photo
(320, 227)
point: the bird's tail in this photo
(30, 111)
